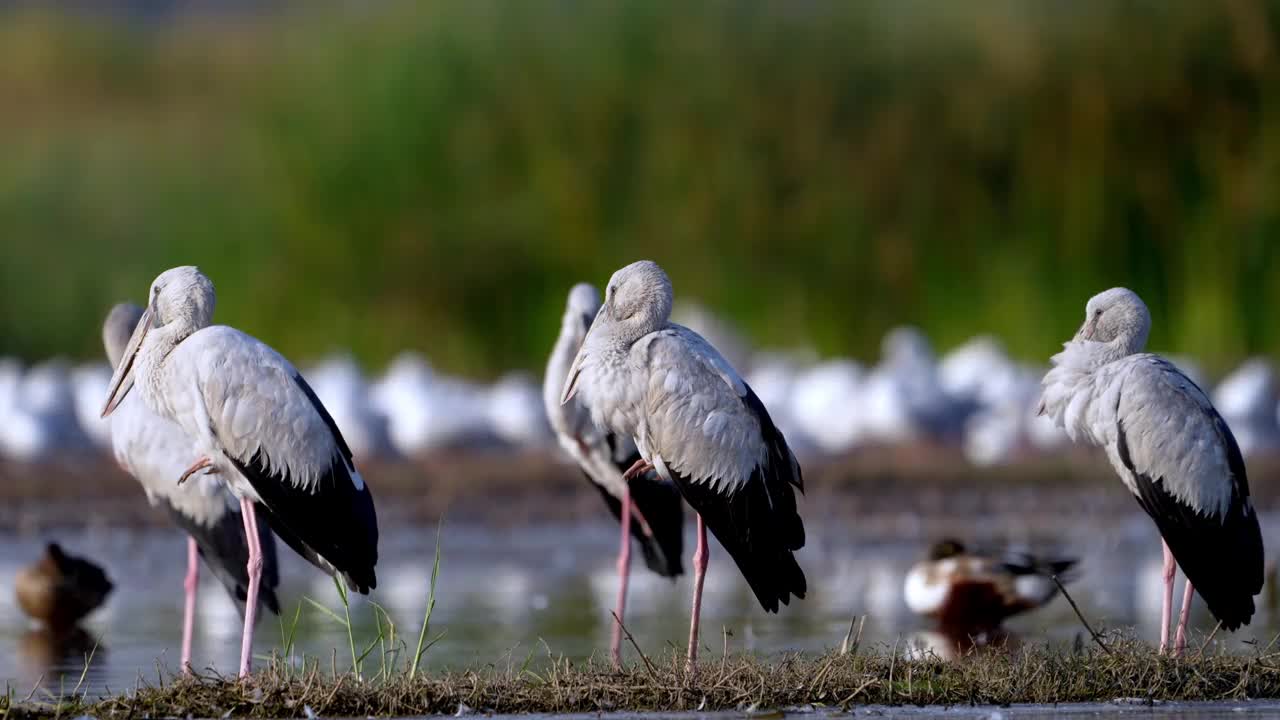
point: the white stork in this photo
(653, 503)
(254, 421)
(694, 419)
(1172, 450)
(155, 451)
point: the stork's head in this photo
(638, 298)
(1118, 317)
(180, 302)
(636, 302)
(580, 311)
(182, 295)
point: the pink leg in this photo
(189, 611)
(624, 571)
(1167, 607)
(700, 559)
(1180, 643)
(255, 576)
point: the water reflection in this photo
(514, 592)
(48, 653)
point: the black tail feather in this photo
(660, 504)
(758, 536)
(226, 554)
(1222, 557)
(758, 523)
(333, 525)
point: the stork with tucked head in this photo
(155, 451)
(254, 421)
(652, 503)
(696, 422)
(1172, 450)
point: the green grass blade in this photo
(335, 616)
(351, 638)
(431, 604)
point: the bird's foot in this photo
(637, 469)
(198, 465)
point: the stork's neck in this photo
(151, 364)
(1124, 345)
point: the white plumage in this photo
(237, 398)
(658, 523)
(1171, 429)
(578, 436)
(694, 419)
(1171, 449)
(156, 452)
(253, 419)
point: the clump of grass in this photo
(1033, 675)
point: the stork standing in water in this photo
(648, 508)
(155, 451)
(696, 422)
(1172, 450)
(255, 422)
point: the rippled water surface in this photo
(508, 593)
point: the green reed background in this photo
(435, 175)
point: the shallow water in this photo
(509, 594)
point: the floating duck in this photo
(971, 594)
(60, 589)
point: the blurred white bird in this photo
(88, 386)
(826, 403)
(342, 389)
(41, 417)
(515, 412)
(426, 411)
(1246, 399)
(903, 399)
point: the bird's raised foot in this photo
(638, 468)
(197, 466)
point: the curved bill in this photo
(122, 380)
(571, 381)
(575, 370)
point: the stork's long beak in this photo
(1087, 329)
(575, 372)
(122, 380)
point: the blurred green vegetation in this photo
(436, 175)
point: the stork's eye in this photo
(1097, 313)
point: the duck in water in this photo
(60, 589)
(970, 594)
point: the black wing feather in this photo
(759, 525)
(226, 554)
(659, 503)
(1221, 557)
(333, 524)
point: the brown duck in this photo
(60, 589)
(971, 593)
